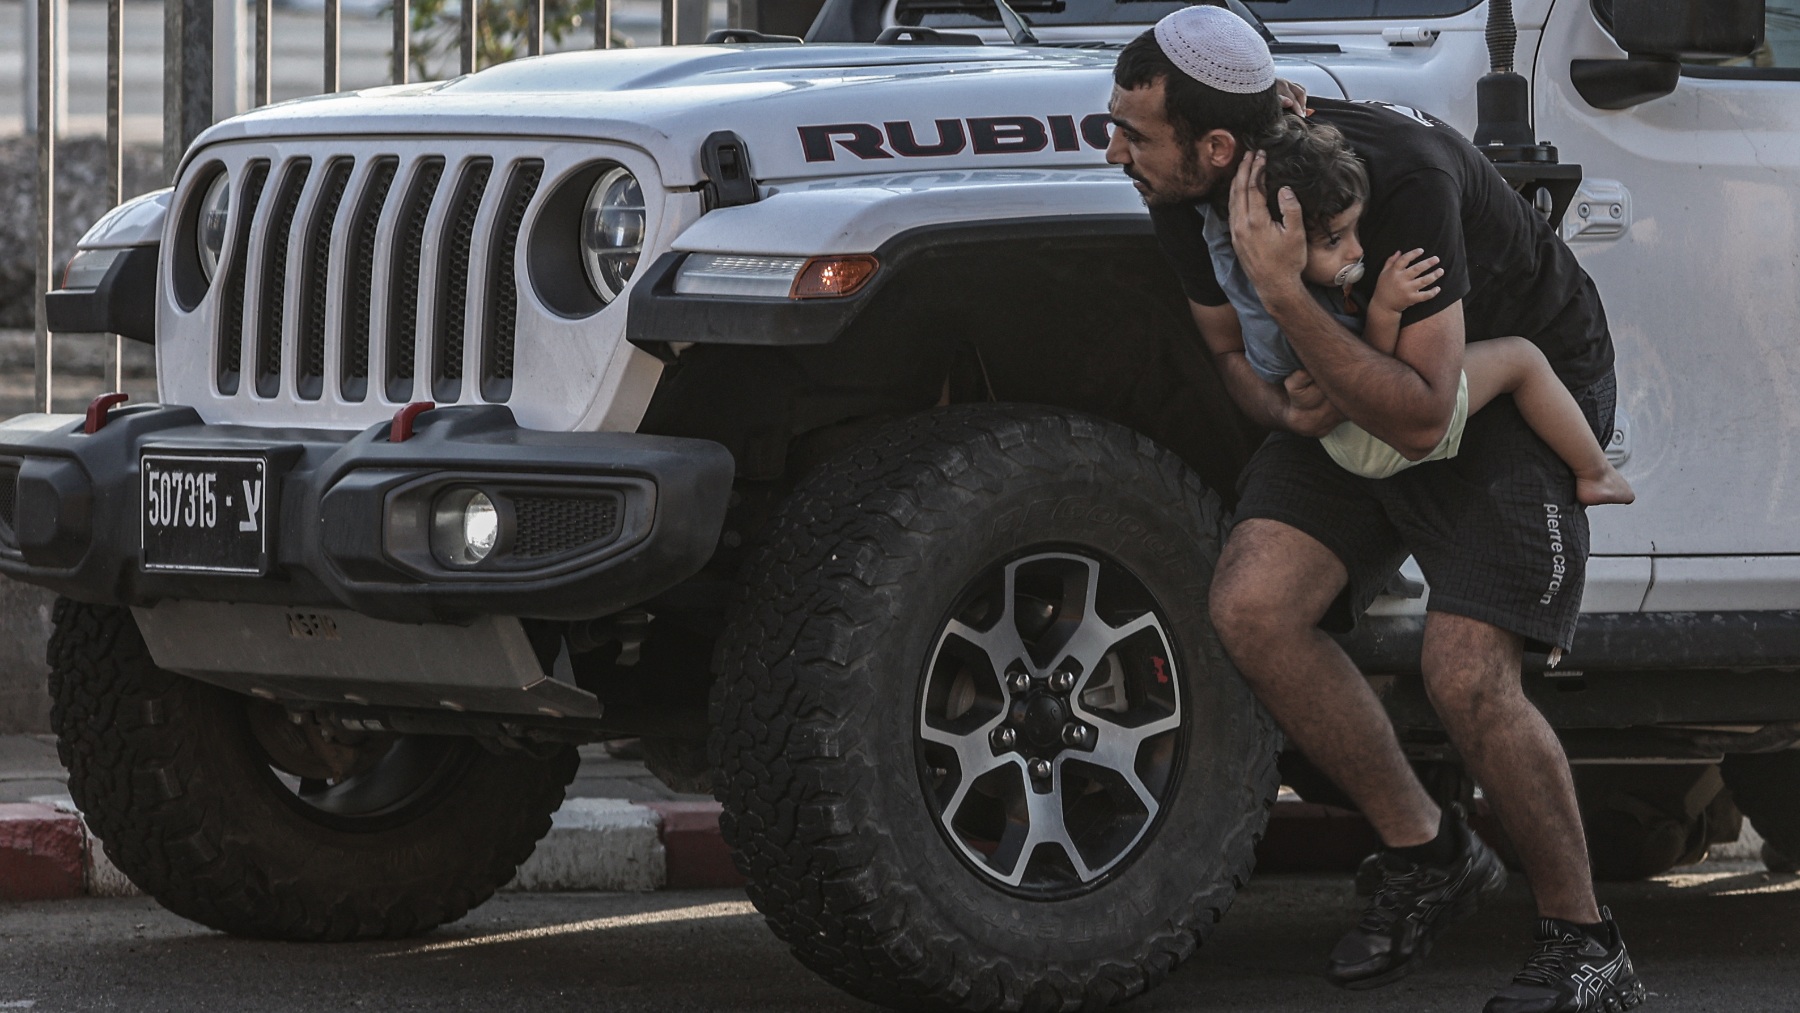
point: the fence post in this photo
(187, 76)
(115, 139)
(402, 41)
(231, 80)
(469, 32)
(47, 122)
(265, 60)
(602, 24)
(28, 107)
(694, 16)
(334, 45)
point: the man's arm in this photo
(1404, 400)
(1297, 408)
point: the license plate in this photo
(205, 514)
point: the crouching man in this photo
(1497, 529)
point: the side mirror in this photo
(1677, 29)
(1659, 34)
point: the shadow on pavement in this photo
(1719, 937)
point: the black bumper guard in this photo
(349, 513)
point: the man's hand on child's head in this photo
(1292, 96)
(1407, 280)
(1272, 251)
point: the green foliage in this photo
(501, 28)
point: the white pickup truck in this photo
(823, 413)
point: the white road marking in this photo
(698, 912)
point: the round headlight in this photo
(612, 232)
(465, 527)
(215, 215)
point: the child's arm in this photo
(1403, 283)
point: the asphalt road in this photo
(1722, 937)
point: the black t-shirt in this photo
(1430, 189)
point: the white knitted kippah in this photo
(1216, 47)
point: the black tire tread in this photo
(782, 707)
(1766, 788)
(127, 733)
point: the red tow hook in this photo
(98, 409)
(402, 429)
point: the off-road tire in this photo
(820, 669)
(1766, 787)
(1644, 819)
(169, 777)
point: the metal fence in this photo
(188, 42)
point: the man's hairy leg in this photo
(1472, 675)
(1273, 585)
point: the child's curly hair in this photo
(1317, 163)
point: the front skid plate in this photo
(336, 655)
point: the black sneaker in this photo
(1572, 972)
(1413, 905)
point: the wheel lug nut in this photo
(1005, 738)
(1019, 682)
(1040, 769)
(1062, 680)
(1076, 734)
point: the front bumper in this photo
(344, 512)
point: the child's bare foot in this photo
(1607, 487)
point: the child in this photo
(1314, 161)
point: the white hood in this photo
(782, 100)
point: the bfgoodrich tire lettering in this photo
(818, 703)
(171, 779)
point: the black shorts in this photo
(1496, 529)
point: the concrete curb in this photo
(99, 877)
(597, 844)
(42, 853)
(697, 854)
(47, 852)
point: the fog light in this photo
(465, 527)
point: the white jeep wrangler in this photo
(830, 403)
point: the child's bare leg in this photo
(1515, 366)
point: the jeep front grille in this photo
(361, 274)
(311, 356)
(231, 330)
(274, 276)
(453, 280)
(330, 246)
(409, 256)
(502, 318)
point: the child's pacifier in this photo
(1350, 275)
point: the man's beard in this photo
(1190, 184)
